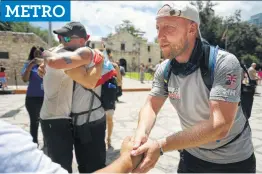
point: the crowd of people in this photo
(77, 108)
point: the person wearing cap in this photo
(66, 81)
(209, 119)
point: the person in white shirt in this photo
(27, 158)
(56, 121)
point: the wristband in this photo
(97, 58)
(161, 151)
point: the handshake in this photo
(138, 156)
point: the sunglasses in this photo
(68, 39)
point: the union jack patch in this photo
(231, 80)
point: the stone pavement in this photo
(125, 119)
(131, 83)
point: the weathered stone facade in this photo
(18, 46)
(136, 50)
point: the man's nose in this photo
(160, 35)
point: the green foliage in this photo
(26, 27)
(127, 25)
(240, 38)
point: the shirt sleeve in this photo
(24, 68)
(18, 153)
(158, 85)
(227, 79)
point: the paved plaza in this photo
(12, 109)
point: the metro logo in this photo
(35, 11)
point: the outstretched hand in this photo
(126, 148)
(151, 151)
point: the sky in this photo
(101, 17)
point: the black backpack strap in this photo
(245, 69)
(236, 137)
(90, 110)
(207, 64)
(95, 94)
(167, 72)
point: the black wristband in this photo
(161, 151)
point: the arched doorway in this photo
(122, 63)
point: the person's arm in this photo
(18, 153)
(69, 60)
(224, 99)
(26, 71)
(118, 74)
(86, 77)
(148, 113)
(27, 158)
(121, 165)
(125, 163)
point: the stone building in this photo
(130, 50)
(14, 51)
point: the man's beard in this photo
(176, 49)
(71, 47)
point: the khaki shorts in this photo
(110, 112)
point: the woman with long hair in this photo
(35, 91)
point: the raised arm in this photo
(26, 71)
(86, 77)
(69, 60)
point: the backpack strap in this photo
(90, 110)
(207, 64)
(167, 72)
(212, 61)
(245, 70)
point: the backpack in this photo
(207, 67)
(107, 98)
(108, 90)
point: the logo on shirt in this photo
(230, 92)
(174, 93)
(231, 80)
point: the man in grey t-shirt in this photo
(209, 119)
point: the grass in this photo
(136, 76)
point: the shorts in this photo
(3, 79)
(110, 112)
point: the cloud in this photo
(248, 8)
(101, 17)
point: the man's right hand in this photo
(41, 70)
(126, 148)
(139, 139)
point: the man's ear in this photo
(193, 29)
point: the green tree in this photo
(27, 28)
(244, 40)
(210, 25)
(127, 25)
(5, 26)
(239, 38)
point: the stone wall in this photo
(18, 46)
(136, 50)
